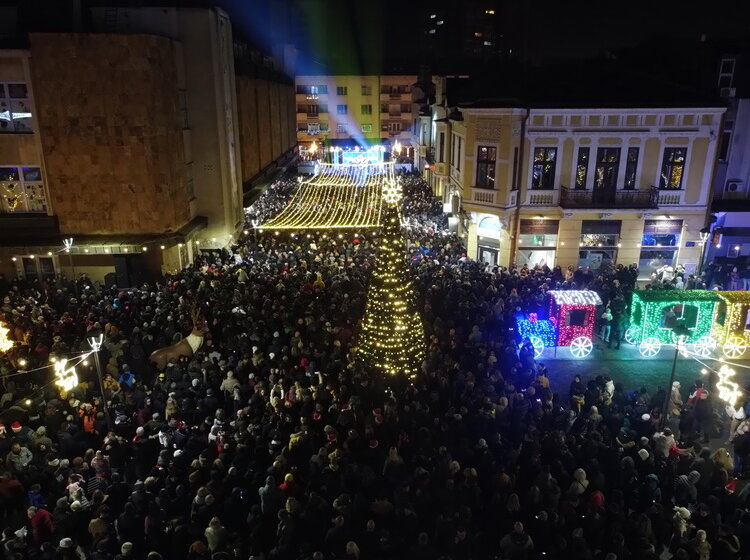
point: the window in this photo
(582, 168)
(366, 90)
(458, 158)
(607, 164)
(366, 109)
(514, 179)
(342, 109)
(441, 148)
(366, 128)
(21, 189)
(313, 128)
(726, 72)
(672, 167)
(679, 314)
(394, 126)
(631, 165)
(384, 107)
(341, 90)
(726, 140)
(406, 108)
(341, 128)
(312, 110)
(15, 111)
(486, 156)
(543, 171)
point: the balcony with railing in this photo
(570, 198)
(542, 197)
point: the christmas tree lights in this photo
(5, 341)
(391, 339)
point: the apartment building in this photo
(580, 186)
(730, 239)
(347, 111)
(132, 148)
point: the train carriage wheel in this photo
(704, 346)
(581, 347)
(632, 333)
(734, 347)
(538, 344)
(649, 347)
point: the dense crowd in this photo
(271, 443)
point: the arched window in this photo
(490, 223)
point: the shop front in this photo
(537, 243)
(599, 242)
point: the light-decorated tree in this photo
(391, 339)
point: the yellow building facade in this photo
(580, 187)
(362, 110)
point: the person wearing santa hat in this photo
(22, 434)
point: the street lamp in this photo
(96, 345)
(704, 233)
(681, 332)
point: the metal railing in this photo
(609, 198)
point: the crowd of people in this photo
(270, 443)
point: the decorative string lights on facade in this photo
(391, 339)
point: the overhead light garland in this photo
(340, 196)
(392, 336)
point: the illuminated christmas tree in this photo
(392, 336)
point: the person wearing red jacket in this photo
(42, 527)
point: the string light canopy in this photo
(5, 341)
(340, 196)
(392, 336)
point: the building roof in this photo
(587, 84)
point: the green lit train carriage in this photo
(655, 313)
(731, 328)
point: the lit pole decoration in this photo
(704, 233)
(680, 333)
(67, 378)
(5, 341)
(729, 391)
(96, 345)
(392, 336)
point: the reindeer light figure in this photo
(188, 346)
(729, 391)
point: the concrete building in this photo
(137, 147)
(730, 239)
(579, 186)
(354, 110)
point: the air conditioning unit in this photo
(735, 189)
(728, 92)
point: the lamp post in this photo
(681, 332)
(704, 233)
(96, 344)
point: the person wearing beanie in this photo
(579, 484)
